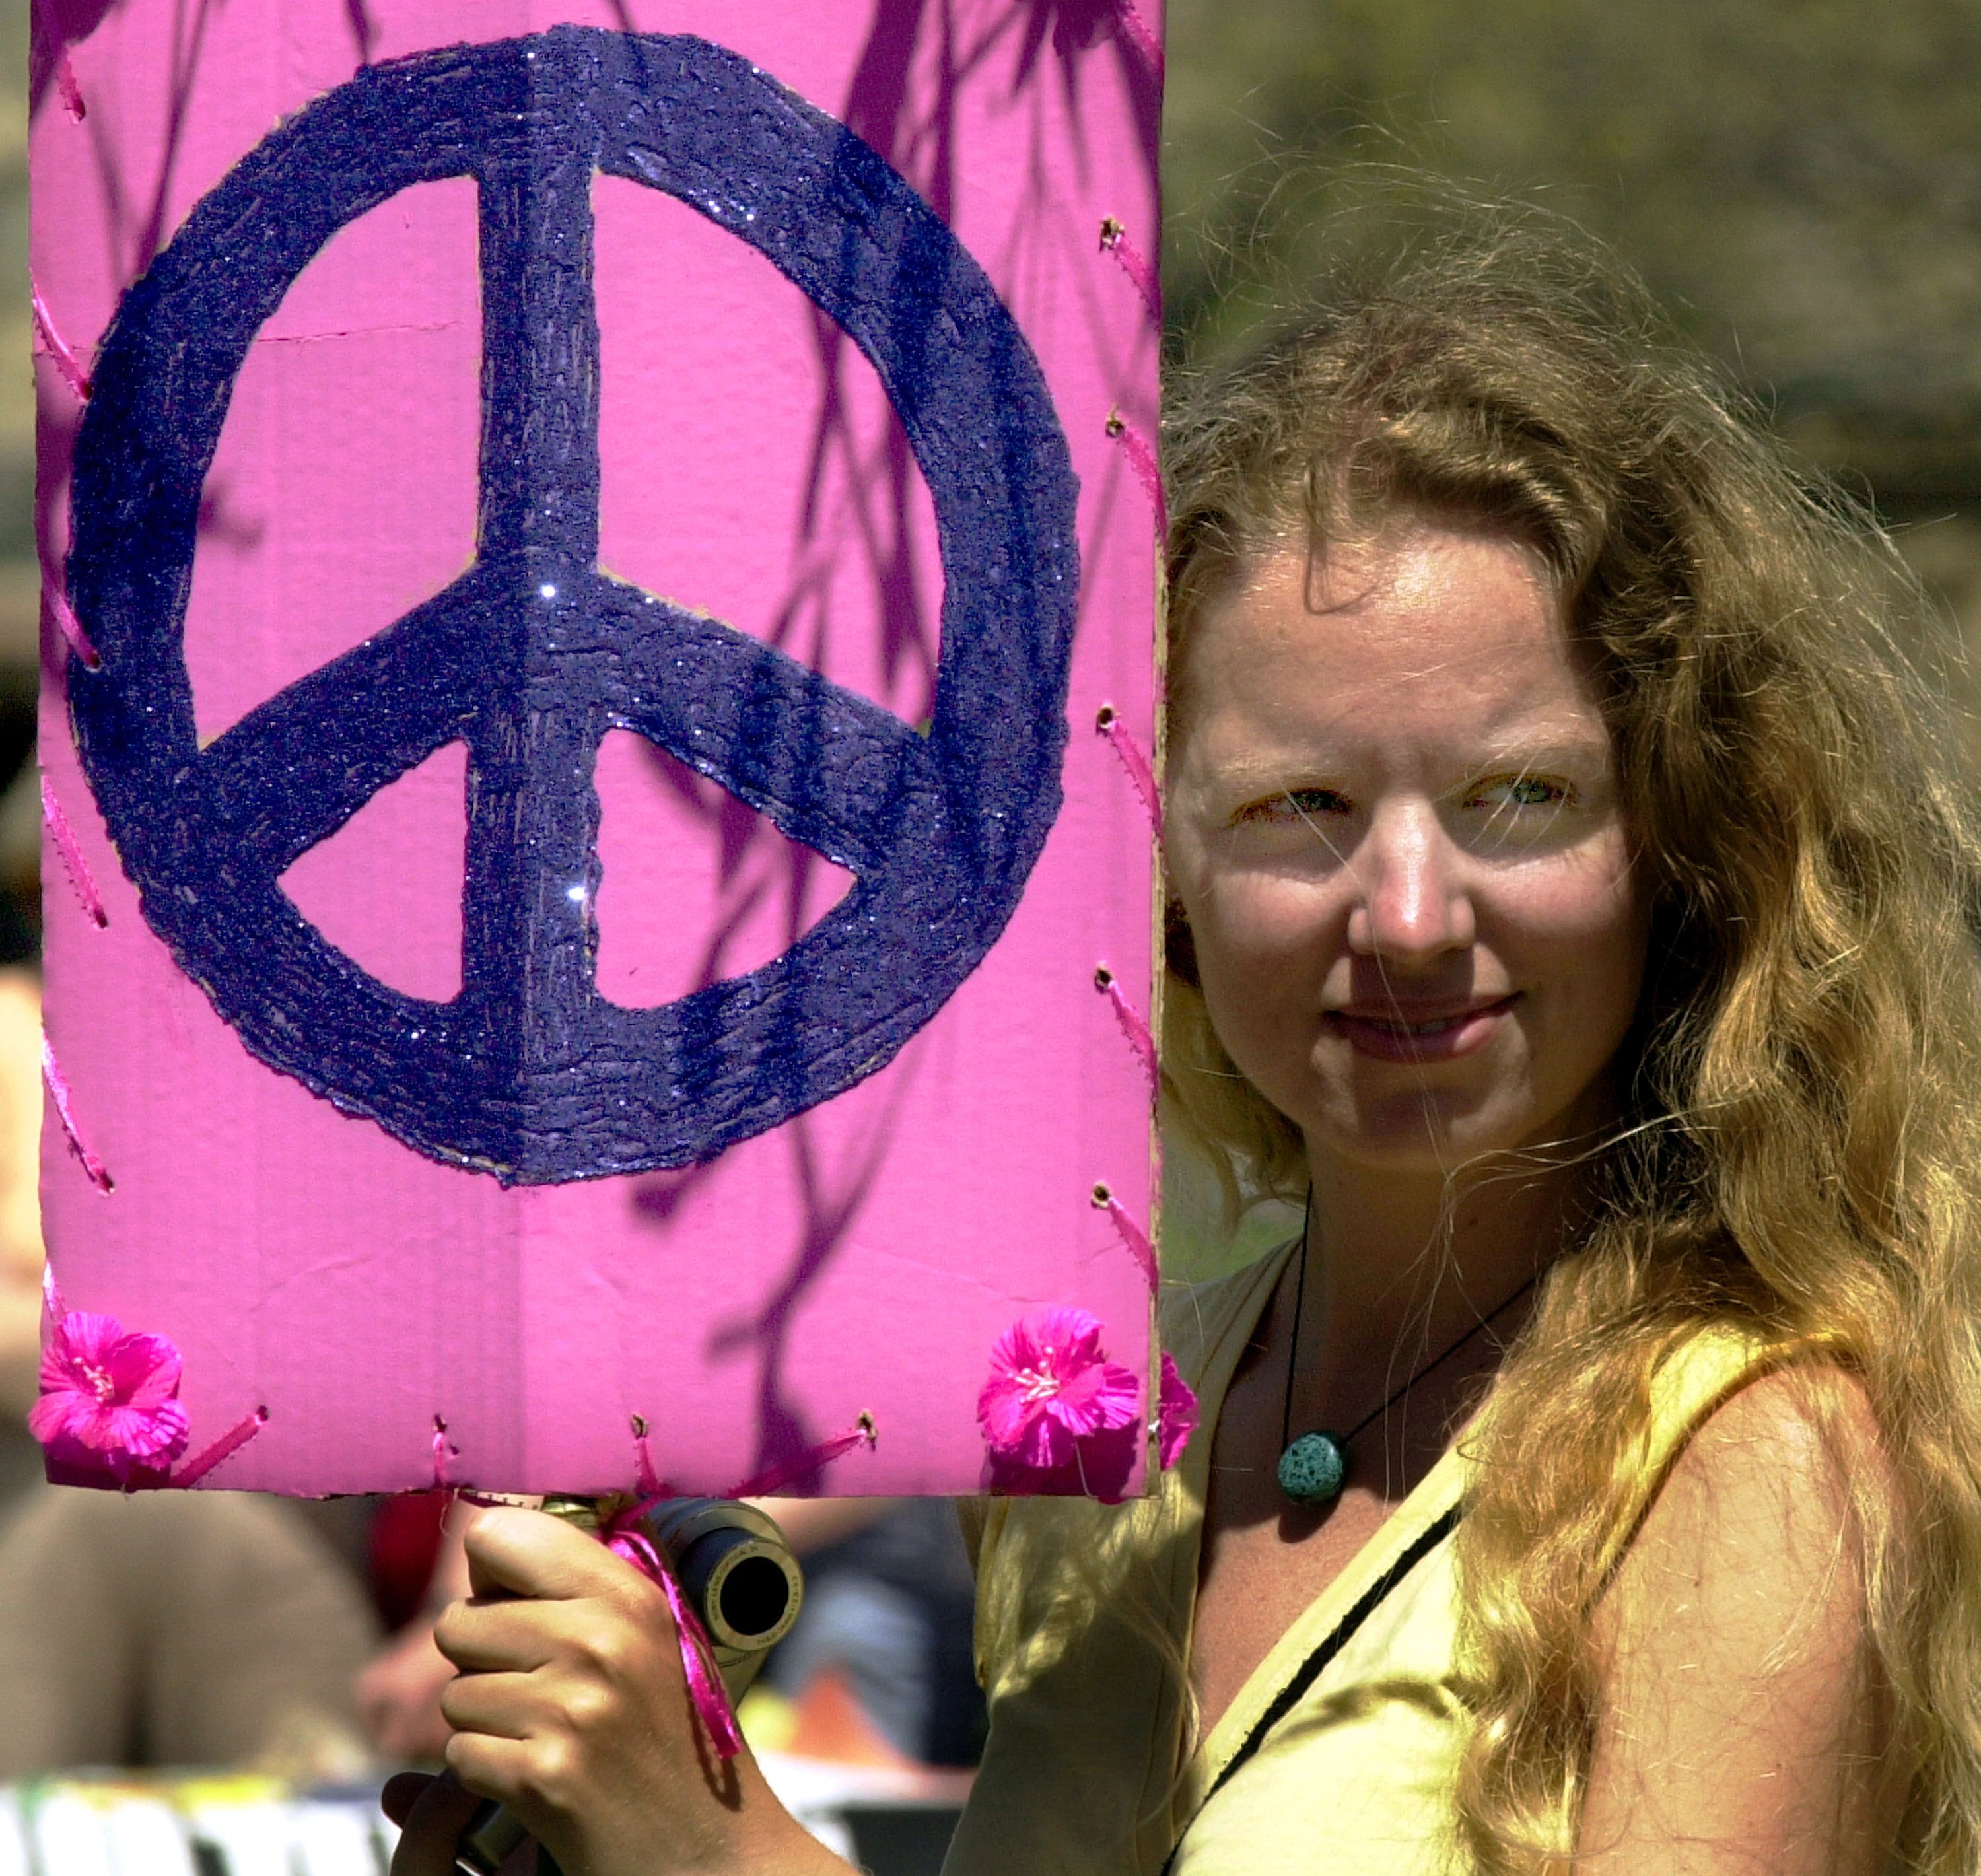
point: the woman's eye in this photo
(1521, 791)
(1294, 804)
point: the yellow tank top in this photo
(1338, 1756)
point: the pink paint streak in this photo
(73, 863)
(58, 1086)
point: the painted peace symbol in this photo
(533, 654)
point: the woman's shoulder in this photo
(1785, 1464)
(1728, 1399)
(1735, 1631)
(1742, 1427)
(1807, 1411)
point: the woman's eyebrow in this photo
(1289, 769)
(1550, 752)
(1281, 771)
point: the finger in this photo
(433, 1827)
(499, 1637)
(523, 1773)
(517, 1636)
(518, 1553)
(506, 1706)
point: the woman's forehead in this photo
(1428, 630)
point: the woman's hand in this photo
(571, 1708)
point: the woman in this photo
(1569, 903)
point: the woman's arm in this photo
(1745, 1720)
(572, 1709)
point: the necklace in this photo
(1313, 1468)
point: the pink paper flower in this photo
(113, 1395)
(1176, 1415)
(1051, 1386)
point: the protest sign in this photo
(599, 567)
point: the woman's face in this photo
(1393, 826)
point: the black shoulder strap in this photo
(1311, 1669)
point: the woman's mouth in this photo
(1402, 1034)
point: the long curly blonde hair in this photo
(1799, 1149)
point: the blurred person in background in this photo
(884, 1634)
(158, 1628)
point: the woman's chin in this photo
(1423, 1133)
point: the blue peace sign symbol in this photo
(533, 654)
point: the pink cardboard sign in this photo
(599, 567)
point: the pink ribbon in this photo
(65, 362)
(73, 863)
(1137, 31)
(57, 1083)
(648, 1482)
(229, 1443)
(1134, 263)
(71, 626)
(621, 1535)
(1134, 1026)
(1132, 1235)
(1108, 722)
(774, 1478)
(1141, 456)
(71, 92)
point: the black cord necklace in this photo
(1314, 1467)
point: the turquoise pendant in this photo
(1314, 1469)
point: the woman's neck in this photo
(1400, 1269)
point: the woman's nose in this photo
(1413, 904)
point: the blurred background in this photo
(20, 577)
(1800, 182)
